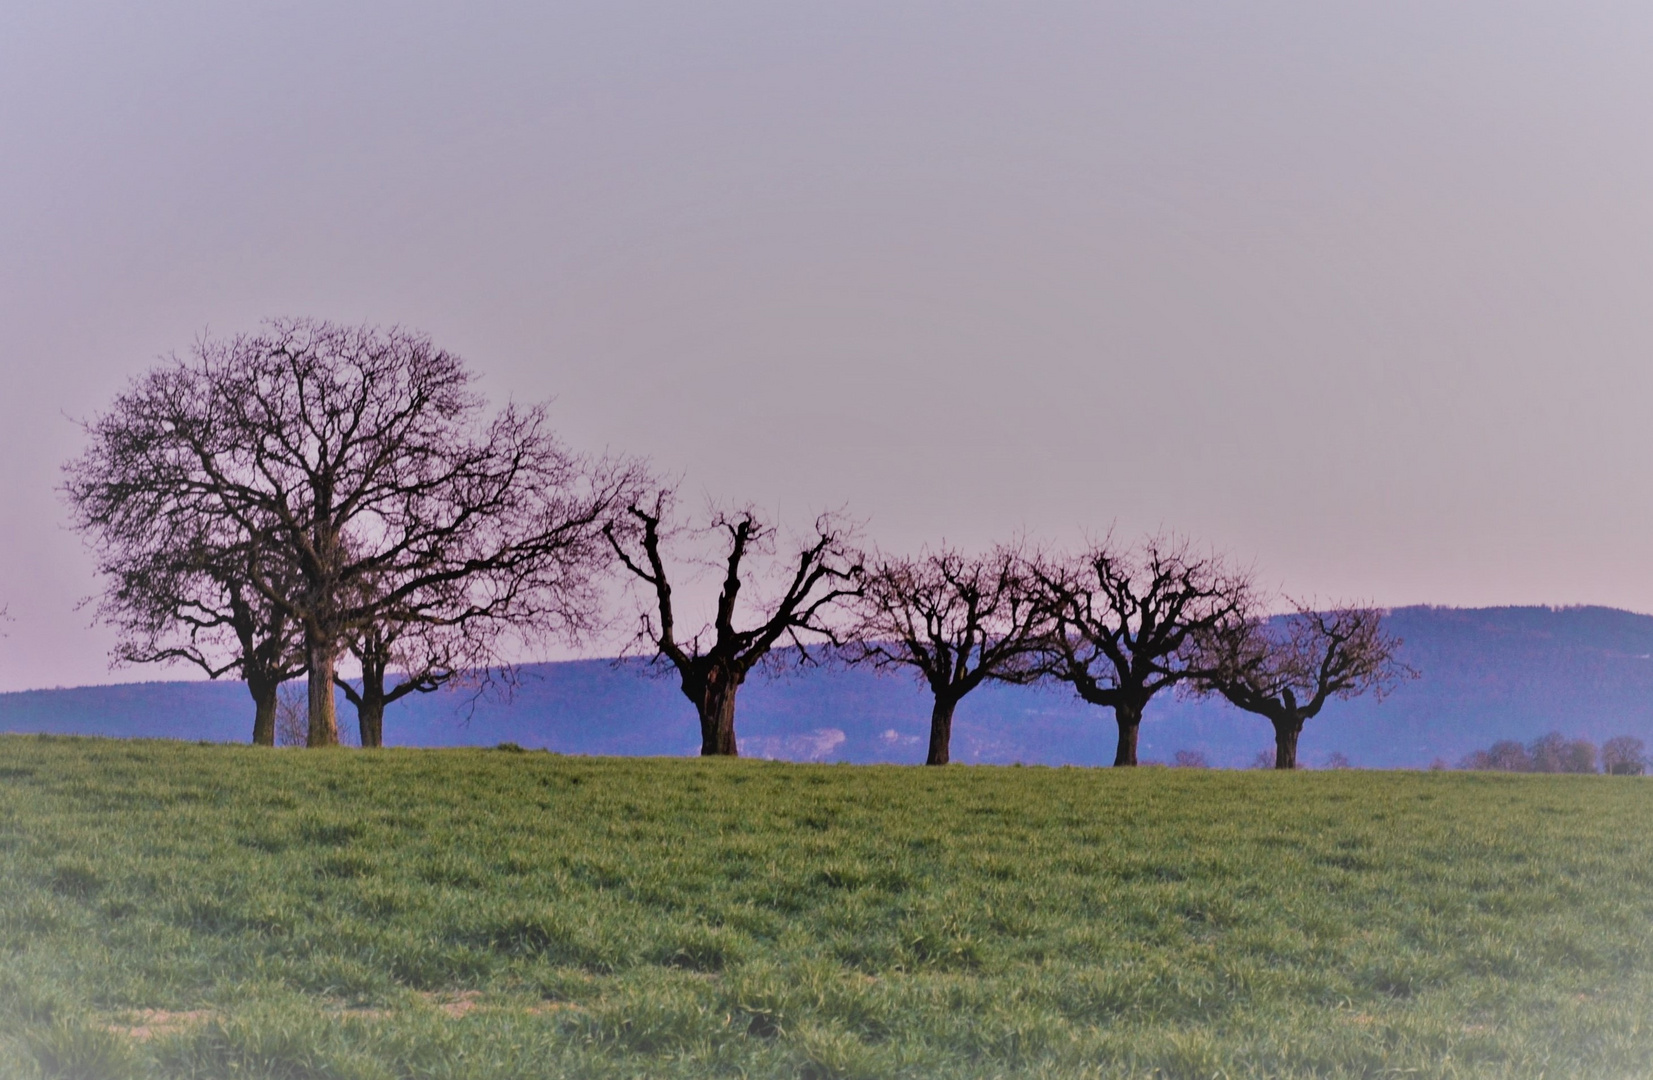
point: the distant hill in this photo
(1487, 674)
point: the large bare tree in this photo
(367, 474)
(1121, 620)
(811, 579)
(1286, 668)
(956, 620)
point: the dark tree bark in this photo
(1285, 743)
(714, 662)
(1122, 620)
(265, 695)
(1286, 668)
(955, 620)
(360, 468)
(1128, 718)
(715, 705)
(941, 731)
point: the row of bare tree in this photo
(275, 502)
(1623, 755)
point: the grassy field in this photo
(210, 912)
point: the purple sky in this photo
(1360, 291)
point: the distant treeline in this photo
(1555, 753)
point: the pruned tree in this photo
(365, 472)
(955, 620)
(1120, 622)
(811, 580)
(1286, 668)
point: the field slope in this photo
(171, 910)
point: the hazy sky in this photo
(1360, 291)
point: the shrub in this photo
(1189, 759)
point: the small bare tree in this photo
(1286, 669)
(428, 642)
(292, 726)
(1121, 621)
(818, 574)
(398, 659)
(955, 620)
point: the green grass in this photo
(209, 912)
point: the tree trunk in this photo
(1285, 743)
(941, 731)
(324, 720)
(370, 721)
(264, 693)
(1129, 719)
(370, 710)
(717, 717)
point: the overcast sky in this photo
(1361, 292)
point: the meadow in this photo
(204, 912)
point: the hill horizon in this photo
(1485, 674)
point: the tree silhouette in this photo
(1285, 670)
(956, 620)
(360, 471)
(1121, 620)
(817, 574)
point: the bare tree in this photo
(1121, 620)
(1505, 755)
(818, 574)
(956, 620)
(439, 646)
(1623, 755)
(179, 578)
(1286, 669)
(361, 467)
(1555, 753)
(397, 659)
(293, 719)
